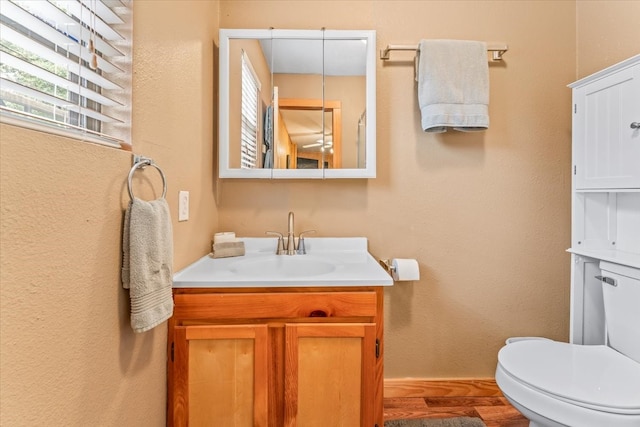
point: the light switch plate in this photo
(183, 206)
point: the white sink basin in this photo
(282, 266)
(329, 261)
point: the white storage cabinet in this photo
(605, 188)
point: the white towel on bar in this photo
(453, 85)
(147, 263)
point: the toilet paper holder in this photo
(401, 270)
(388, 267)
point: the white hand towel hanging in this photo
(147, 262)
(453, 85)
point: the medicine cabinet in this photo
(297, 104)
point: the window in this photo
(250, 114)
(65, 67)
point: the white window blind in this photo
(250, 113)
(65, 66)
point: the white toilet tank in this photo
(621, 294)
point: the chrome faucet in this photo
(291, 237)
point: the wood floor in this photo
(494, 411)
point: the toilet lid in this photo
(592, 376)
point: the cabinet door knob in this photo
(635, 125)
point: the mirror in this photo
(297, 104)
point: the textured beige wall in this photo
(607, 33)
(68, 355)
(485, 214)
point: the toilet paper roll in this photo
(405, 269)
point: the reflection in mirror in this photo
(297, 75)
(361, 141)
(345, 79)
(295, 101)
(249, 96)
(314, 136)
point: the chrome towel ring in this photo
(141, 163)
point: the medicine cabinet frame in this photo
(368, 117)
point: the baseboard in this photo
(458, 387)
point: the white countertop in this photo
(329, 262)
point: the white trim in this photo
(38, 125)
(603, 73)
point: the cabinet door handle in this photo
(318, 313)
(635, 125)
(608, 280)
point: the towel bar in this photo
(140, 162)
(497, 50)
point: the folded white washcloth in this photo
(453, 85)
(147, 263)
(224, 236)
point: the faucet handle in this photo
(306, 232)
(301, 249)
(280, 249)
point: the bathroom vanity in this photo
(605, 190)
(279, 340)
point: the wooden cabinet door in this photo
(330, 374)
(220, 376)
(606, 147)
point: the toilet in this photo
(560, 384)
